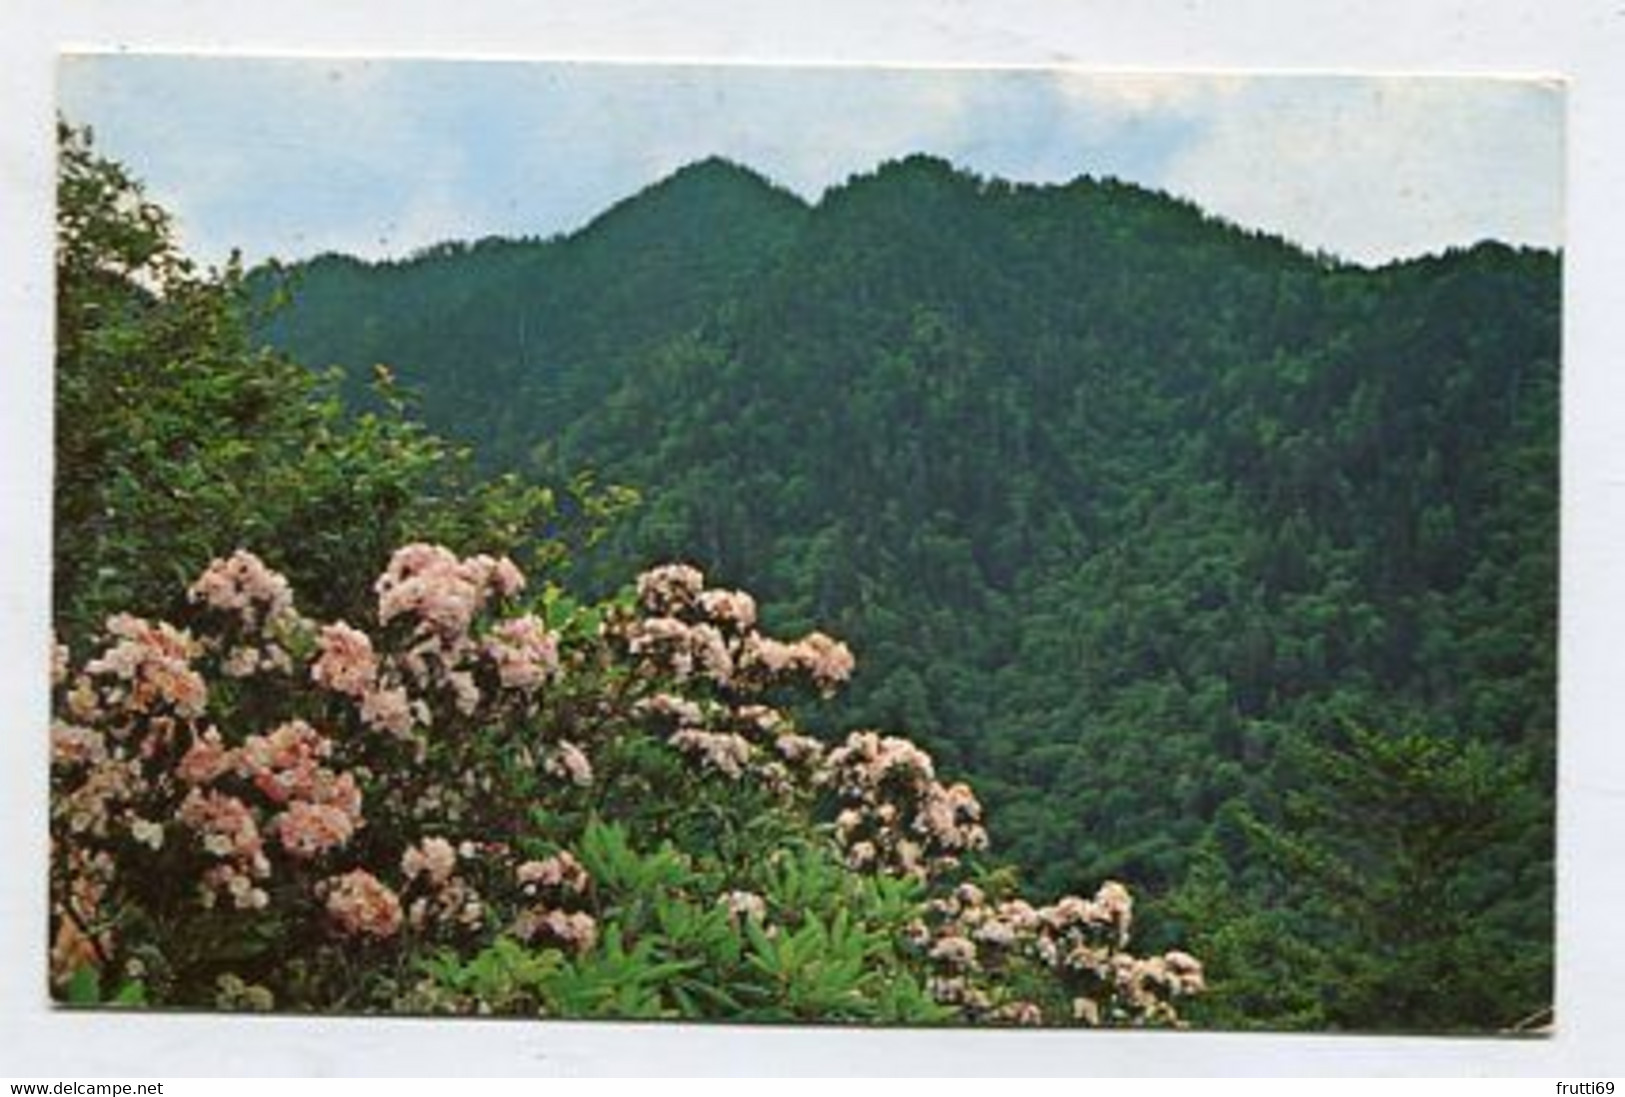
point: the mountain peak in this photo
(709, 188)
(717, 167)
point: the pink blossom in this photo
(526, 654)
(154, 660)
(361, 905)
(570, 762)
(954, 951)
(285, 763)
(206, 759)
(797, 749)
(828, 662)
(88, 807)
(762, 719)
(672, 707)
(72, 745)
(346, 663)
(231, 881)
(1116, 906)
(433, 858)
(388, 710)
(241, 662)
(669, 587)
(731, 608)
(709, 651)
(428, 582)
(724, 752)
(560, 872)
(465, 694)
(766, 653)
(1019, 1013)
(454, 902)
(241, 584)
(308, 829)
(575, 930)
(1183, 973)
(498, 576)
(226, 826)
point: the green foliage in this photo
(1119, 504)
(827, 951)
(178, 439)
(506, 976)
(1404, 853)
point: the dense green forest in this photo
(1149, 523)
(1220, 568)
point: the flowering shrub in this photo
(481, 803)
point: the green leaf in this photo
(132, 993)
(85, 987)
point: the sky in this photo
(286, 158)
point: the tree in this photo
(178, 439)
(1403, 851)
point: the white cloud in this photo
(290, 156)
(1119, 95)
(1376, 168)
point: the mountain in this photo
(529, 333)
(1118, 504)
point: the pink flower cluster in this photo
(434, 859)
(685, 634)
(670, 588)
(525, 653)
(825, 662)
(243, 586)
(442, 593)
(138, 770)
(723, 751)
(445, 897)
(682, 650)
(138, 767)
(1082, 941)
(359, 905)
(555, 884)
(150, 668)
(345, 662)
(228, 830)
(895, 816)
(72, 745)
(321, 809)
(570, 763)
(133, 762)
(391, 710)
(103, 785)
(687, 631)
(442, 597)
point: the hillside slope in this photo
(1119, 505)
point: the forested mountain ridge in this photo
(555, 322)
(1133, 515)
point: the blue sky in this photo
(290, 157)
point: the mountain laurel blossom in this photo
(356, 791)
